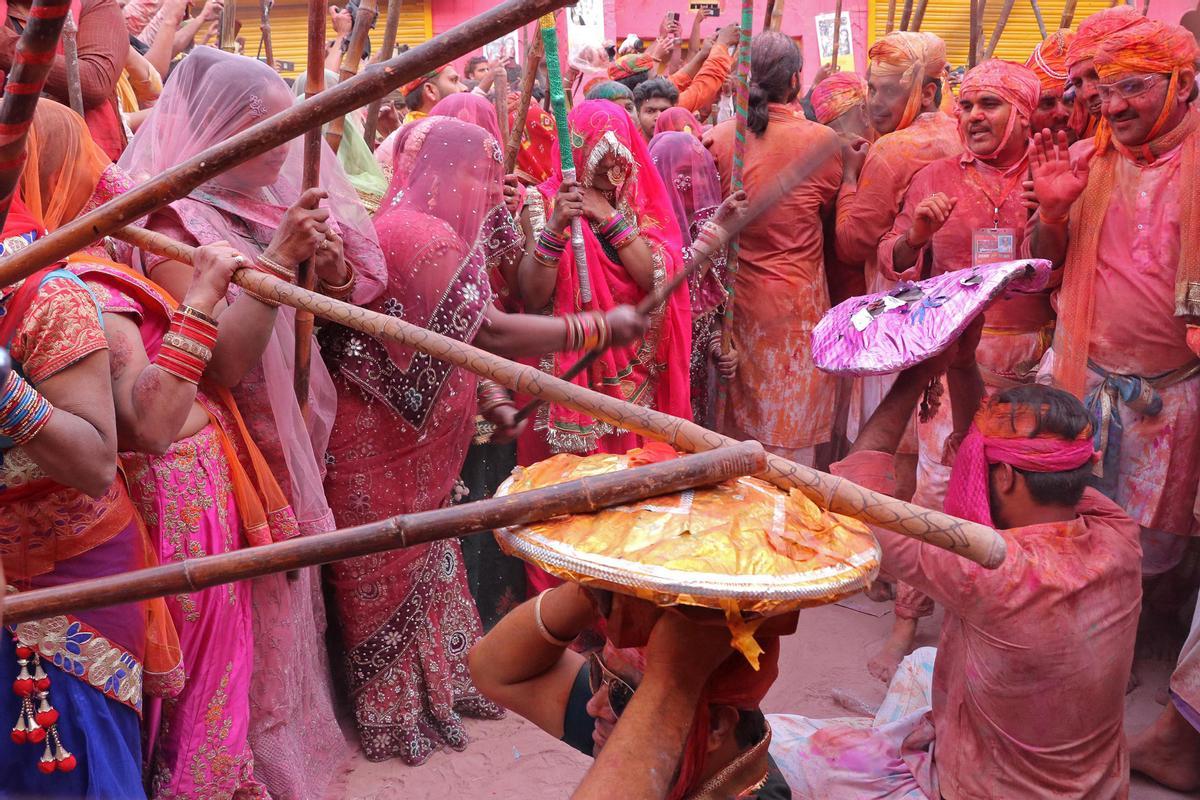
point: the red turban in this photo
(1151, 46)
(1011, 82)
(837, 94)
(1004, 433)
(1098, 27)
(912, 56)
(628, 65)
(413, 85)
(1049, 61)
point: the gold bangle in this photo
(196, 314)
(186, 345)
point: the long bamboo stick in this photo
(741, 106)
(264, 25)
(891, 17)
(768, 15)
(1068, 15)
(977, 542)
(837, 36)
(777, 15)
(500, 100)
(71, 61)
(973, 34)
(906, 15)
(919, 15)
(978, 55)
(306, 273)
(34, 57)
(1001, 23)
(533, 58)
(176, 182)
(1037, 15)
(363, 20)
(227, 33)
(388, 47)
(581, 496)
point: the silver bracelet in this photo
(541, 626)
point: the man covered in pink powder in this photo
(1025, 697)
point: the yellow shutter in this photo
(289, 28)
(950, 19)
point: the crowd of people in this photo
(151, 415)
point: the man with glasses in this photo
(1081, 69)
(677, 718)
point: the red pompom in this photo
(46, 718)
(67, 763)
(47, 766)
(24, 652)
(23, 687)
(37, 735)
(19, 736)
(43, 684)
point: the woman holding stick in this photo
(199, 483)
(406, 419)
(633, 244)
(259, 210)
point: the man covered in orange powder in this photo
(1081, 69)
(962, 211)
(1055, 105)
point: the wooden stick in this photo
(919, 15)
(777, 15)
(363, 20)
(558, 102)
(500, 100)
(741, 106)
(1001, 23)
(34, 57)
(1068, 14)
(1037, 14)
(837, 35)
(979, 33)
(178, 181)
(581, 496)
(390, 27)
(769, 15)
(906, 14)
(264, 25)
(973, 34)
(227, 34)
(971, 540)
(533, 57)
(891, 19)
(306, 273)
(71, 60)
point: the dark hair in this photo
(655, 88)
(609, 90)
(635, 80)
(774, 61)
(751, 728)
(412, 100)
(1062, 415)
(473, 62)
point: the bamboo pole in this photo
(1001, 23)
(500, 100)
(388, 47)
(176, 182)
(227, 33)
(533, 58)
(979, 32)
(1068, 15)
(973, 34)
(971, 540)
(906, 14)
(837, 36)
(777, 15)
(71, 60)
(1037, 15)
(264, 25)
(919, 15)
(768, 15)
(368, 10)
(891, 18)
(581, 496)
(306, 273)
(34, 57)
(558, 102)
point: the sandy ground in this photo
(510, 759)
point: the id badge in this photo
(991, 245)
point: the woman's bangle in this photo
(549, 249)
(187, 347)
(342, 291)
(23, 410)
(619, 231)
(490, 396)
(273, 267)
(541, 625)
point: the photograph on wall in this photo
(825, 41)
(506, 47)
(585, 25)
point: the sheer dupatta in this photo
(653, 372)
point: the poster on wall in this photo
(506, 47)
(585, 25)
(825, 41)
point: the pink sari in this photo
(211, 96)
(653, 372)
(690, 176)
(406, 618)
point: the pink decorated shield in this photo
(879, 334)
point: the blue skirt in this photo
(102, 734)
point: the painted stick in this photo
(918, 15)
(1005, 10)
(971, 540)
(71, 60)
(306, 272)
(1037, 15)
(34, 57)
(837, 35)
(390, 27)
(581, 496)
(363, 20)
(178, 181)
(500, 100)
(891, 19)
(906, 14)
(264, 25)
(741, 105)
(558, 102)
(1068, 15)
(533, 58)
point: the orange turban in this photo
(1151, 46)
(1012, 82)
(913, 57)
(836, 95)
(1098, 27)
(1049, 60)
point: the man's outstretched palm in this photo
(1057, 183)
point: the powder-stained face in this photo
(887, 97)
(1053, 112)
(1132, 104)
(1085, 80)
(982, 121)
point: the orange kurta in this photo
(778, 397)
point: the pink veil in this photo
(689, 174)
(211, 96)
(469, 107)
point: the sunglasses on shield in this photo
(1126, 88)
(619, 692)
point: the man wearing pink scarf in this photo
(959, 212)
(1024, 696)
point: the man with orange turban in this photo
(904, 85)
(962, 211)
(1081, 71)
(677, 718)
(1049, 64)
(1122, 214)
(840, 101)
(1024, 696)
